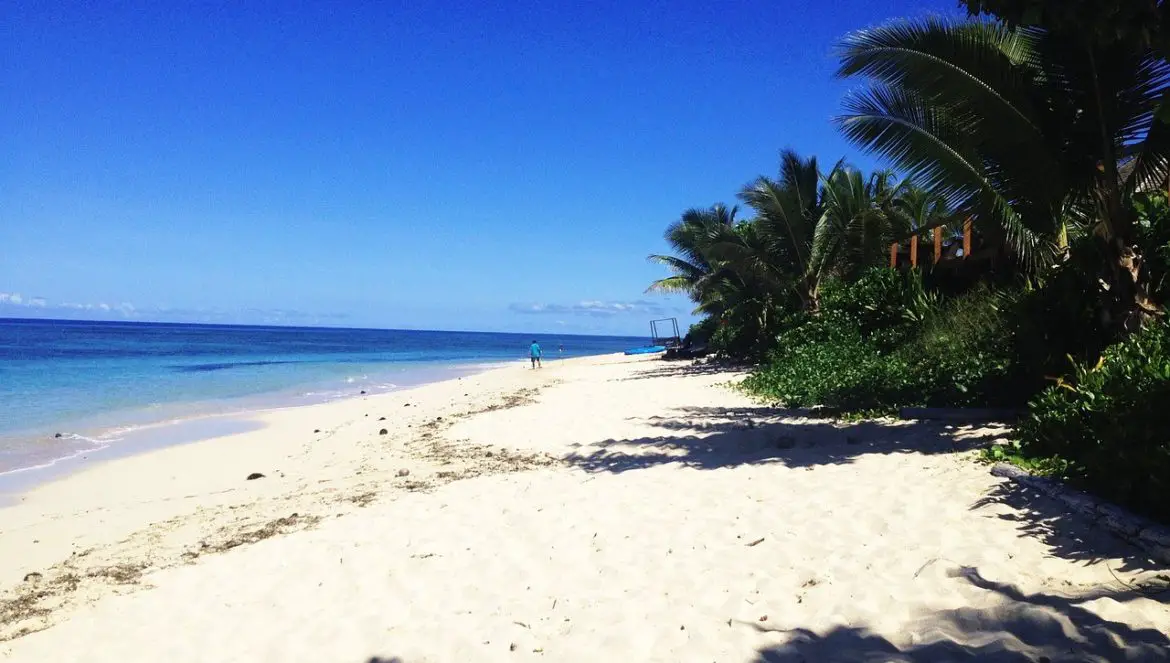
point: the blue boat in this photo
(646, 350)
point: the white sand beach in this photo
(600, 509)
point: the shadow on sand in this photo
(1024, 627)
(1019, 627)
(709, 438)
(729, 437)
(686, 367)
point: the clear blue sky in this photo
(446, 165)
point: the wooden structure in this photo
(938, 246)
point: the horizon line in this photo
(278, 326)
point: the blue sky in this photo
(392, 164)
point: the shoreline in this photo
(127, 432)
(153, 478)
(606, 507)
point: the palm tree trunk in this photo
(1131, 306)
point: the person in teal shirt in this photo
(534, 353)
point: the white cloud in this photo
(125, 308)
(38, 302)
(13, 298)
(594, 308)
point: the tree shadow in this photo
(730, 437)
(1069, 536)
(1020, 627)
(685, 367)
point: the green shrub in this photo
(963, 354)
(825, 361)
(1108, 429)
(886, 304)
(882, 343)
(1153, 213)
(702, 331)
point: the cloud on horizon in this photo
(595, 308)
(126, 309)
(18, 305)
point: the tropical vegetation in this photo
(1016, 252)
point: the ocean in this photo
(69, 388)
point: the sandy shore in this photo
(600, 509)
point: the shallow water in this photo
(69, 388)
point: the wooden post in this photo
(937, 244)
(893, 255)
(914, 250)
(966, 238)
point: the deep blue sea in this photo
(91, 381)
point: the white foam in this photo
(96, 445)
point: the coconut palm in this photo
(1025, 130)
(690, 237)
(859, 219)
(787, 210)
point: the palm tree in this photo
(860, 218)
(787, 210)
(691, 237)
(1024, 130)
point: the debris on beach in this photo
(254, 475)
(382, 432)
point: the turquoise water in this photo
(90, 382)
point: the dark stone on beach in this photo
(381, 418)
(785, 442)
(406, 405)
(383, 431)
(438, 418)
(32, 577)
(255, 475)
(403, 473)
(363, 391)
(57, 435)
(316, 430)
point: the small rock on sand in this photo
(383, 431)
(255, 475)
(403, 473)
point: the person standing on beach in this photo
(534, 353)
